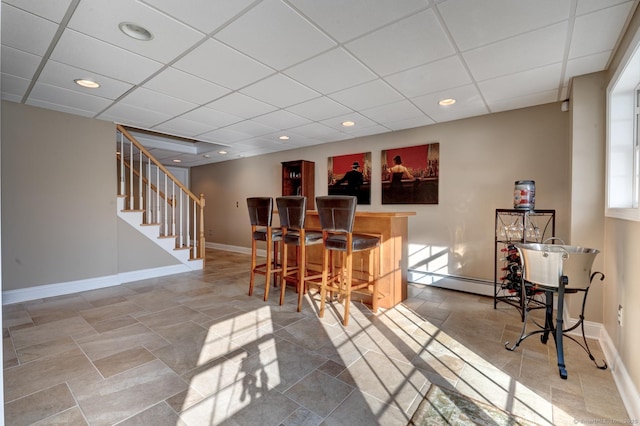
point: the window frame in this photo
(623, 138)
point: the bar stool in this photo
(292, 211)
(337, 215)
(260, 215)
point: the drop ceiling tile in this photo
(392, 112)
(346, 20)
(367, 95)
(280, 90)
(18, 63)
(430, 78)
(410, 123)
(281, 119)
(522, 84)
(184, 127)
(339, 71)
(105, 58)
(377, 129)
(467, 97)
(412, 41)
(211, 117)
(204, 15)
(587, 64)
(62, 75)
(100, 19)
(588, 6)
(590, 34)
(130, 115)
(251, 128)
(319, 109)
(13, 88)
(156, 101)
(334, 137)
(69, 98)
(473, 24)
(222, 65)
(537, 98)
(530, 50)
(311, 130)
(25, 31)
(259, 34)
(469, 103)
(360, 120)
(53, 10)
(241, 105)
(62, 108)
(224, 136)
(182, 85)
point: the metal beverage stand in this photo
(557, 269)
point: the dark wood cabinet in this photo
(298, 178)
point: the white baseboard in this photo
(59, 289)
(235, 249)
(628, 391)
(592, 330)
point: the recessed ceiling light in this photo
(222, 152)
(284, 138)
(206, 155)
(177, 161)
(89, 84)
(135, 31)
(348, 123)
(447, 102)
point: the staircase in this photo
(157, 204)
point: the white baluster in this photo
(166, 204)
(158, 221)
(148, 206)
(140, 191)
(131, 205)
(195, 230)
(122, 190)
(173, 208)
(180, 224)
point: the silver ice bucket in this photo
(544, 264)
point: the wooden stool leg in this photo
(347, 283)
(253, 265)
(323, 286)
(283, 277)
(301, 274)
(267, 279)
(376, 274)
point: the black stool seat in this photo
(337, 216)
(261, 215)
(293, 212)
(359, 242)
(310, 237)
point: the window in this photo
(623, 140)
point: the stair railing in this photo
(148, 186)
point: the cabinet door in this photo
(298, 178)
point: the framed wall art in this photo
(410, 174)
(350, 175)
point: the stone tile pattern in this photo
(195, 349)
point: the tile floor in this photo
(194, 349)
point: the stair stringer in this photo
(152, 232)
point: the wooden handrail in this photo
(157, 163)
(198, 201)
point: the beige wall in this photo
(588, 126)
(621, 265)
(59, 218)
(480, 159)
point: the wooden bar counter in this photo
(392, 227)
